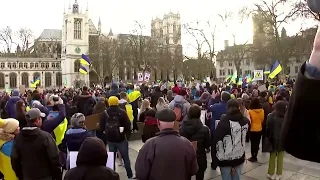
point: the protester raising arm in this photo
(300, 130)
(49, 126)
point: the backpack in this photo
(178, 109)
(112, 128)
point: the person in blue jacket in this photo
(11, 104)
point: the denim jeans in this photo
(123, 148)
(226, 173)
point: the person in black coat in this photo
(91, 162)
(199, 135)
(300, 130)
(155, 96)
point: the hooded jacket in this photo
(257, 118)
(85, 104)
(123, 120)
(11, 106)
(114, 91)
(91, 163)
(229, 140)
(194, 130)
(185, 103)
(35, 155)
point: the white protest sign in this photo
(147, 76)
(140, 76)
(258, 75)
(74, 155)
(203, 116)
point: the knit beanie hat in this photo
(77, 120)
(113, 101)
(9, 125)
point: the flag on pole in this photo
(83, 70)
(275, 70)
(85, 60)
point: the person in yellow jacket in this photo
(124, 104)
(8, 129)
(256, 114)
(133, 97)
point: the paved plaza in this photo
(293, 168)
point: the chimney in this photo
(226, 43)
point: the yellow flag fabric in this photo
(60, 131)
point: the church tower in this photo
(75, 42)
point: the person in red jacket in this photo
(176, 89)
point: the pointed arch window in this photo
(77, 28)
(76, 66)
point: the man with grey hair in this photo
(160, 156)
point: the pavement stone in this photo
(293, 168)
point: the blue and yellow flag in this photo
(234, 77)
(83, 70)
(227, 78)
(266, 71)
(85, 60)
(275, 70)
(240, 81)
(249, 79)
(34, 83)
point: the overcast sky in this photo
(121, 14)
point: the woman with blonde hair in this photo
(243, 109)
(145, 106)
(162, 104)
(9, 128)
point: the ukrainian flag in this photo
(83, 70)
(275, 70)
(266, 71)
(249, 79)
(85, 60)
(227, 78)
(240, 81)
(234, 77)
(35, 82)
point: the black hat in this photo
(166, 115)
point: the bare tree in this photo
(274, 14)
(204, 45)
(304, 11)
(236, 53)
(25, 35)
(104, 54)
(142, 49)
(6, 37)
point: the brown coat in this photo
(167, 156)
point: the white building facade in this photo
(21, 71)
(75, 42)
